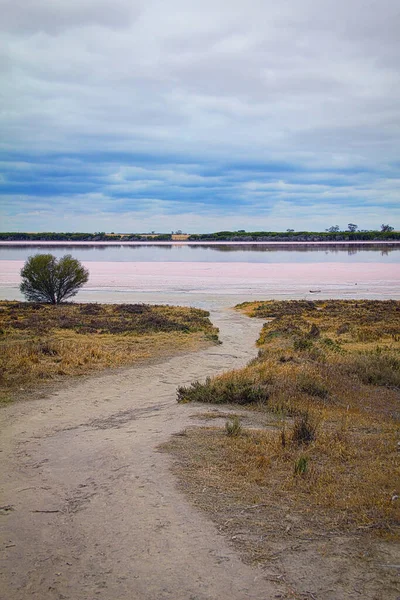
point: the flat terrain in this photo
(90, 508)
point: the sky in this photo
(158, 115)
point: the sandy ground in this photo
(90, 509)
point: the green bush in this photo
(46, 279)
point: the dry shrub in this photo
(236, 388)
(102, 318)
(304, 429)
(377, 367)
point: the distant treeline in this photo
(220, 236)
(296, 236)
(81, 237)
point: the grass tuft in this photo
(301, 466)
(233, 426)
(304, 429)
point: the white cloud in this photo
(316, 83)
(257, 75)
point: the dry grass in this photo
(348, 483)
(330, 372)
(40, 343)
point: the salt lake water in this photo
(213, 275)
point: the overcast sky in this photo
(205, 115)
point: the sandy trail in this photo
(94, 509)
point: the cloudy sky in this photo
(130, 115)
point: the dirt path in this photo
(93, 509)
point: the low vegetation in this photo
(42, 343)
(101, 236)
(327, 383)
(333, 234)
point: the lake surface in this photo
(211, 252)
(219, 274)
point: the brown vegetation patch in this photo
(299, 522)
(329, 464)
(344, 398)
(42, 343)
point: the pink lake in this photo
(212, 284)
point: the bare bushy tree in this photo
(46, 279)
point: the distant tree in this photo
(352, 227)
(386, 228)
(333, 229)
(46, 279)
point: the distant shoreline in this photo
(197, 243)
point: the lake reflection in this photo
(249, 253)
